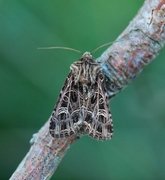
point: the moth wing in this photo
(61, 124)
(98, 122)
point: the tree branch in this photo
(122, 62)
(136, 47)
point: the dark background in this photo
(31, 79)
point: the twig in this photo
(122, 62)
(140, 44)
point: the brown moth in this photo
(82, 107)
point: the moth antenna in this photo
(58, 47)
(105, 45)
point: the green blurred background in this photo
(31, 79)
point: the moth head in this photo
(87, 55)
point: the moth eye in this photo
(93, 99)
(73, 96)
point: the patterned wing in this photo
(61, 122)
(98, 122)
(82, 107)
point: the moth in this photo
(82, 106)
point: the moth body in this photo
(82, 107)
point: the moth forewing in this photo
(103, 127)
(82, 107)
(60, 125)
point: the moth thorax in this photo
(85, 70)
(85, 75)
